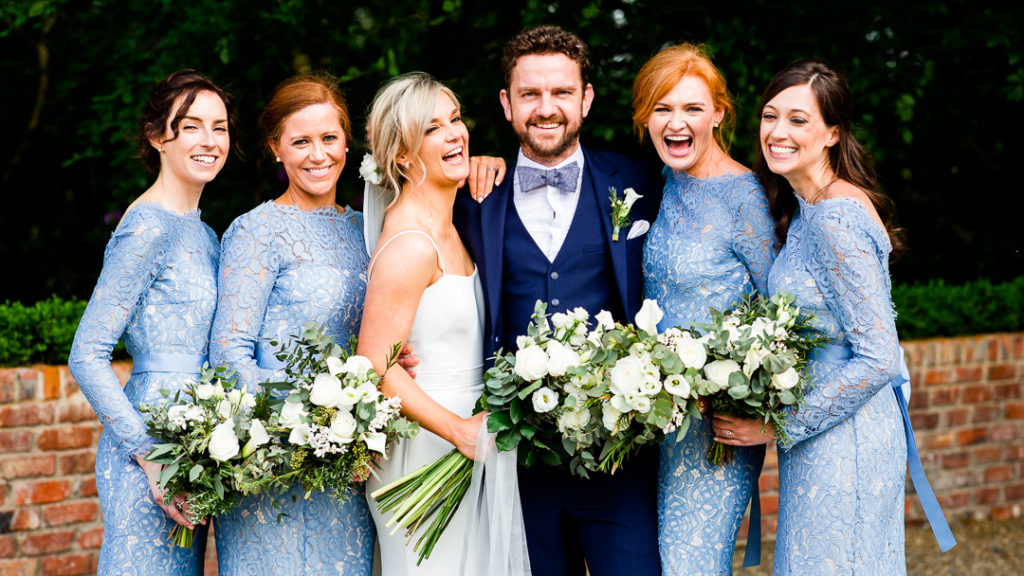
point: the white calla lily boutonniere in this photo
(621, 208)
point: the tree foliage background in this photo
(938, 86)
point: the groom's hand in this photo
(485, 172)
(407, 360)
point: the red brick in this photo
(25, 519)
(937, 441)
(20, 567)
(75, 412)
(51, 380)
(93, 538)
(68, 565)
(769, 504)
(1015, 410)
(976, 394)
(987, 453)
(3, 494)
(957, 417)
(944, 396)
(1015, 493)
(957, 460)
(771, 458)
(1007, 391)
(999, 474)
(1002, 513)
(918, 400)
(65, 438)
(968, 374)
(25, 415)
(70, 512)
(987, 413)
(936, 376)
(24, 466)
(36, 544)
(42, 492)
(1002, 372)
(1015, 452)
(1018, 347)
(6, 547)
(1002, 432)
(987, 495)
(925, 420)
(87, 487)
(768, 482)
(15, 440)
(78, 462)
(952, 500)
(8, 387)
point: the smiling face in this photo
(795, 139)
(445, 146)
(681, 125)
(312, 151)
(546, 103)
(196, 156)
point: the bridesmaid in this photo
(712, 243)
(289, 261)
(158, 289)
(842, 474)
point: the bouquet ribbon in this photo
(167, 362)
(925, 494)
(495, 536)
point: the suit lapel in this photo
(601, 178)
(493, 211)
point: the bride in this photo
(422, 288)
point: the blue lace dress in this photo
(713, 242)
(842, 480)
(280, 268)
(158, 289)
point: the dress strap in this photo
(440, 259)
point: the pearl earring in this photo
(346, 149)
(277, 158)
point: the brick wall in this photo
(967, 408)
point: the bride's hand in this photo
(465, 433)
(176, 511)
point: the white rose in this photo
(786, 380)
(692, 352)
(626, 374)
(718, 372)
(358, 366)
(677, 385)
(257, 437)
(376, 441)
(642, 404)
(648, 317)
(223, 442)
(335, 366)
(343, 428)
(224, 409)
(369, 170)
(544, 400)
(574, 420)
(531, 363)
(291, 413)
(299, 435)
(326, 390)
(205, 391)
(605, 320)
(560, 358)
(561, 320)
(610, 417)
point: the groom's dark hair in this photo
(544, 40)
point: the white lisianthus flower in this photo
(369, 170)
(544, 400)
(257, 437)
(691, 351)
(177, 415)
(620, 403)
(235, 396)
(326, 390)
(718, 372)
(579, 314)
(343, 428)
(610, 418)
(335, 366)
(561, 320)
(605, 320)
(574, 420)
(523, 341)
(223, 442)
(205, 391)
(299, 435)
(783, 318)
(642, 404)
(594, 337)
(358, 366)
(648, 317)
(786, 380)
(626, 375)
(368, 391)
(560, 358)
(194, 413)
(650, 386)
(762, 328)
(531, 363)
(752, 361)
(677, 385)
(224, 409)
(350, 396)
(247, 403)
(291, 414)
(376, 441)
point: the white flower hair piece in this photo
(370, 171)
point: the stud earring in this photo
(407, 164)
(162, 150)
(277, 159)
(346, 149)
(716, 124)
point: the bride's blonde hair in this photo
(398, 117)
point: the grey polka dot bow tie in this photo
(563, 178)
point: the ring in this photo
(492, 169)
(177, 505)
(728, 433)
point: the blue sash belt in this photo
(266, 358)
(167, 362)
(901, 387)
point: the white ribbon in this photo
(495, 541)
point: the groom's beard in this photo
(547, 149)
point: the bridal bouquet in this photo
(213, 445)
(332, 415)
(758, 355)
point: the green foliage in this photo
(40, 333)
(939, 309)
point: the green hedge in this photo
(42, 333)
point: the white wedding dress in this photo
(447, 335)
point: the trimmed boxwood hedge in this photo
(42, 333)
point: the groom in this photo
(546, 233)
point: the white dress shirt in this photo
(547, 211)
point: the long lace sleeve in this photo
(853, 276)
(134, 258)
(753, 230)
(248, 270)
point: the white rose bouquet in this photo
(757, 354)
(331, 414)
(213, 444)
